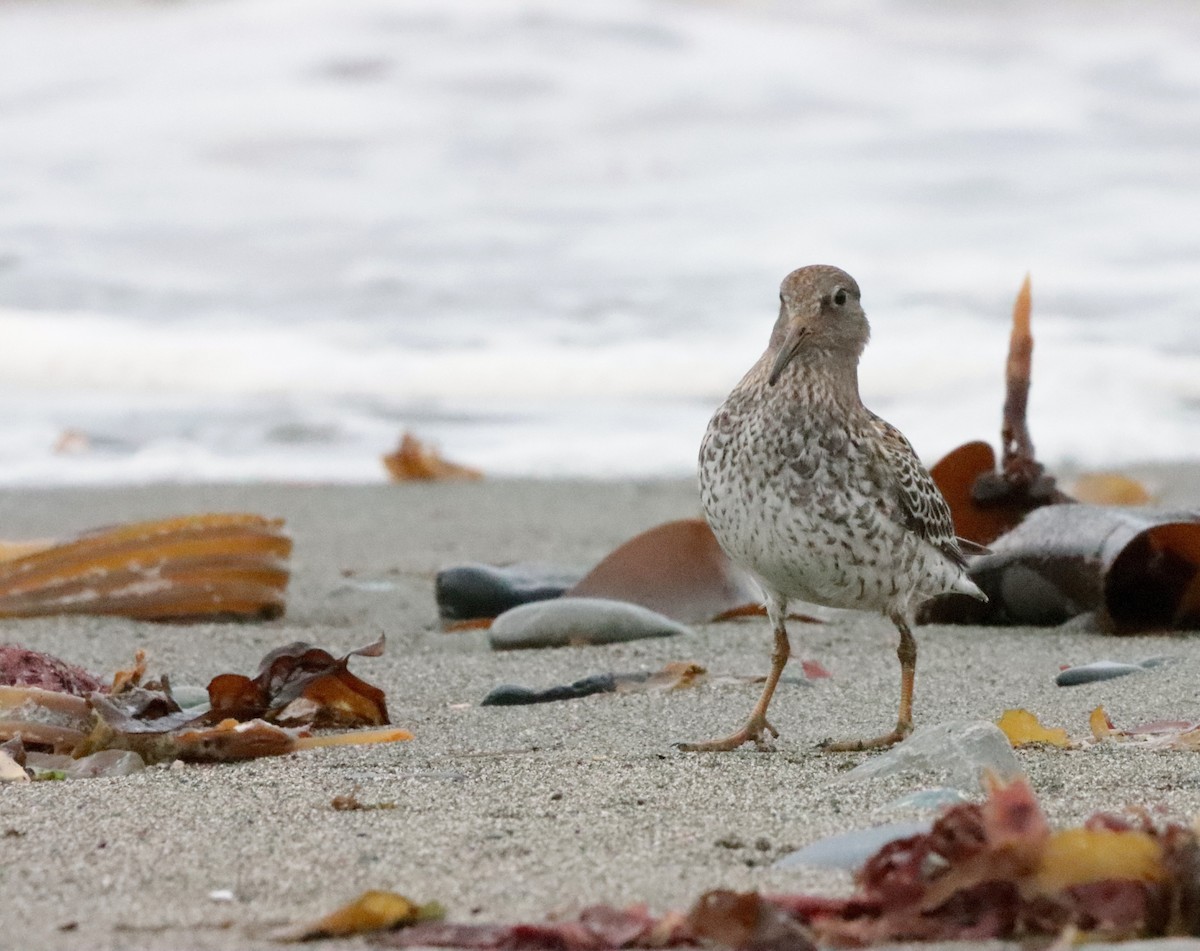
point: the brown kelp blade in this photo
(676, 569)
(300, 683)
(195, 567)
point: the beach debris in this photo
(746, 921)
(849, 850)
(980, 871)
(48, 719)
(195, 567)
(985, 503)
(232, 741)
(597, 928)
(1024, 729)
(676, 569)
(372, 911)
(302, 684)
(1137, 569)
(1181, 735)
(815, 670)
(511, 695)
(414, 461)
(299, 686)
(349, 802)
(12, 762)
(960, 752)
(574, 622)
(21, 667)
(1132, 565)
(469, 592)
(676, 675)
(1097, 670)
(1108, 488)
(72, 442)
(106, 763)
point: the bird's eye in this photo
(839, 297)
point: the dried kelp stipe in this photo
(1138, 569)
(988, 871)
(986, 503)
(298, 684)
(676, 569)
(413, 461)
(197, 567)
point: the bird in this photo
(819, 499)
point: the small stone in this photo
(849, 850)
(465, 592)
(578, 621)
(1097, 670)
(958, 751)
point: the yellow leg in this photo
(907, 653)
(758, 724)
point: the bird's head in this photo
(819, 311)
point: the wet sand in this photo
(507, 813)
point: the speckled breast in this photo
(800, 508)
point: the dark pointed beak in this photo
(791, 344)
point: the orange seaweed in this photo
(413, 460)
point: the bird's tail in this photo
(964, 585)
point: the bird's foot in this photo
(876, 743)
(752, 732)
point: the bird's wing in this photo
(914, 499)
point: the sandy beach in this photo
(510, 813)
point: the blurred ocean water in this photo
(257, 239)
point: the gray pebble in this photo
(564, 622)
(1097, 670)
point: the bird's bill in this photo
(791, 345)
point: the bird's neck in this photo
(820, 380)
